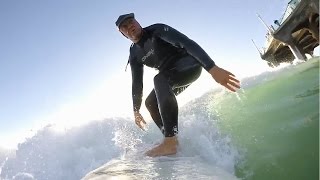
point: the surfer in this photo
(179, 61)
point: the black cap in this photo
(123, 18)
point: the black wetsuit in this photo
(179, 61)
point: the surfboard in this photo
(173, 167)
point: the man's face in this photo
(131, 29)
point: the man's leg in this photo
(168, 109)
(167, 103)
(152, 106)
(166, 86)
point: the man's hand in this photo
(139, 120)
(225, 78)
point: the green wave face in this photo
(275, 124)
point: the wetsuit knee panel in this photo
(160, 79)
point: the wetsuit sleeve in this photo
(180, 40)
(137, 83)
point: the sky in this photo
(63, 62)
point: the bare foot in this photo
(167, 147)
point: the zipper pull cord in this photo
(125, 70)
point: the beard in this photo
(136, 35)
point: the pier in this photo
(295, 35)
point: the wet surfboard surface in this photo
(164, 167)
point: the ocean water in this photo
(275, 123)
(268, 130)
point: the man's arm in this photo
(176, 38)
(137, 83)
(180, 40)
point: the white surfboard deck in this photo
(165, 167)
